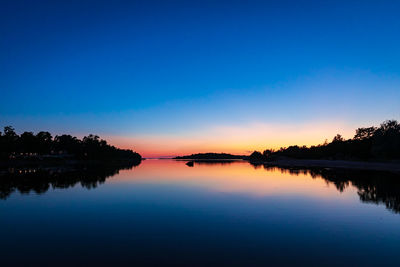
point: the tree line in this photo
(369, 143)
(91, 147)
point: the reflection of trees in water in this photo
(373, 186)
(41, 180)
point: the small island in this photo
(212, 156)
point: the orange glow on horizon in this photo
(233, 139)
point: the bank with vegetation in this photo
(43, 148)
(373, 144)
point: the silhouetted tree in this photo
(91, 147)
(386, 140)
(9, 140)
(364, 133)
(44, 140)
(368, 143)
(67, 144)
(27, 143)
(337, 138)
(268, 153)
(256, 156)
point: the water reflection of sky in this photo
(236, 177)
(166, 212)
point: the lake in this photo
(164, 212)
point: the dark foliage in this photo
(256, 156)
(371, 143)
(43, 145)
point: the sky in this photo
(171, 78)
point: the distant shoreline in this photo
(212, 156)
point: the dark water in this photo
(166, 213)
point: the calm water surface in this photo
(163, 212)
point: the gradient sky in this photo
(177, 77)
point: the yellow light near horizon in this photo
(234, 140)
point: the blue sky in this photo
(158, 71)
